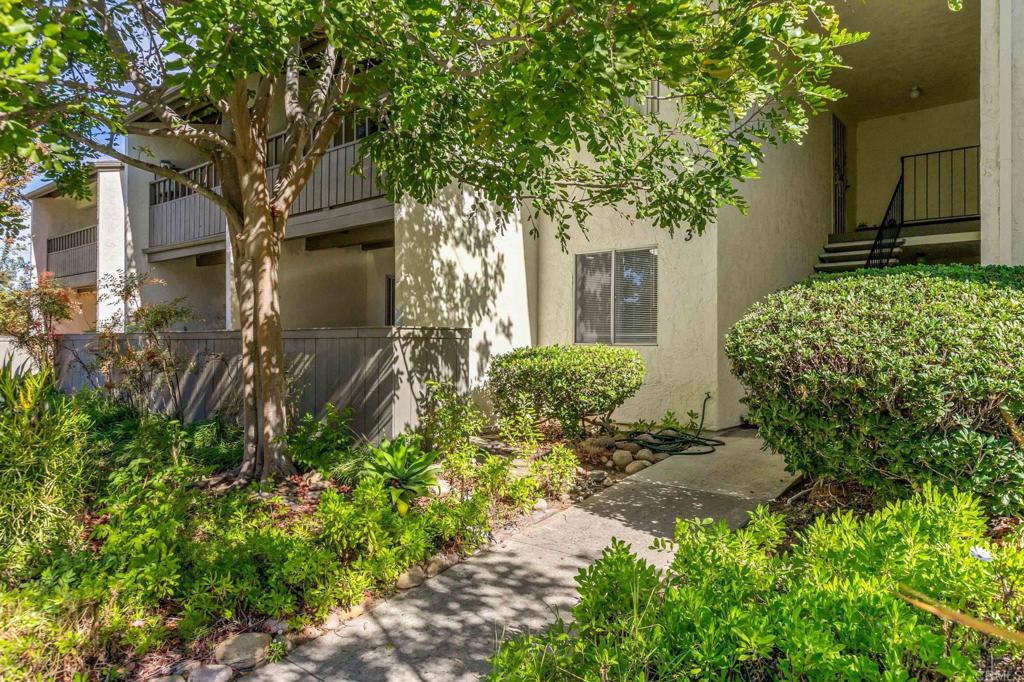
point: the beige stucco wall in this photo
(456, 268)
(776, 244)
(333, 287)
(54, 216)
(202, 287)
(880, 142)
(681, 367)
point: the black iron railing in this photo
(933, 188)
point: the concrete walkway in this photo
(446, 629)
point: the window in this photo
(389, 301)
(617, 297)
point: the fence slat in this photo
(370, 369)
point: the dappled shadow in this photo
(447, 628)
(462, 264)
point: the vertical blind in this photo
(617, 297)
(594, 298)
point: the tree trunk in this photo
(252, 453)
(270, 345)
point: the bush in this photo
(566, 383)
(44, 471)
(893, 377)
(327, 445)
(732, 607)
(166, 560)
(555, 472)
(449, 419)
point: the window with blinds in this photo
(617, 297)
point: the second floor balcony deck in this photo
(71, 257)
(180, 217)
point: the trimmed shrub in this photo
(731, 606)
(893, 377)
(566, 383)
(43, 471)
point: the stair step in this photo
(846, 266)
(858, 255)
(857, 245)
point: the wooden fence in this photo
(380, 372)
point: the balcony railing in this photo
(73, 253)
(177, 215)
(933, 188)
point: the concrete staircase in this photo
(850, 255)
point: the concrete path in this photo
(446, 629)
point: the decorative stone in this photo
(211, 673)
(638, 465)
(244, 650)
(274, 626)
(411, 578)
(540, 505)
(606, 442)
(597, 475)
(608, 463)
(621, 458)
(311, 477)
(647, 438)
(441, 562)
(628, 446)
(168, 678)
(652, 457)
(671, 433)
(608, 482)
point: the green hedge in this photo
(566, 383)
(892, 377)
(731, 606)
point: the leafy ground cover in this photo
(832, 604)
(156, 558)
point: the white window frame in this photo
(657, 294)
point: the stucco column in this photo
(230, 293)
(1002, 132)
(111, 250)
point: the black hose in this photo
(678, 442)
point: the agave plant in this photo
(406, 470)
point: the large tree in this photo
(530, 102)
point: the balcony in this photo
(71, 257)
(179, 217)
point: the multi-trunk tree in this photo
(547, 105)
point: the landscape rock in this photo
(628, 446)
(441, 562)
(540, 505)
(243, 650)
(622, 458)
(606, 442)
(597, 475)
(608, 463)
(274, 626)
(638, 465)
(672, 433)
(608, 482)
(211, 673)
(168, 678)
(411, 578)
(652, 457)
(647, 438)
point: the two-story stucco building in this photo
(928, 143)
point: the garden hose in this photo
(677, 442)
